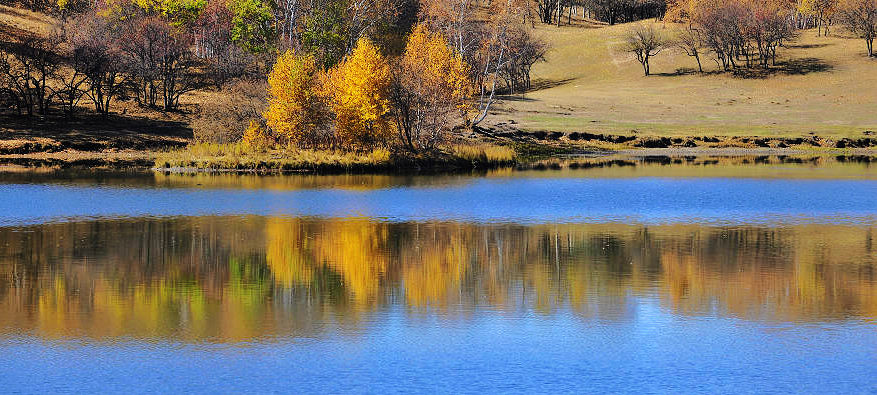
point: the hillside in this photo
(824, 85)
(821, 92)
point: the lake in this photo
(694, 274)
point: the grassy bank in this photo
(240, 157)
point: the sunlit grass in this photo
(588, 84)
(483, 153)
(241, 156)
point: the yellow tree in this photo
(296, 110)
(822, 10)
(359, 96)
(681, 11)
(431, 85)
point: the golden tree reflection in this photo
(235, 279)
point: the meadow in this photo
(821, 85)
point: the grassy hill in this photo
(825, 85)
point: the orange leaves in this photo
(296, 111)
(359, 96)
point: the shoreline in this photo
(146, 160)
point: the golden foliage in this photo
(256, 137)
(432, 84)
(296, 111)
(443, 71)
(359, 89)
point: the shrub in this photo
(257, 137)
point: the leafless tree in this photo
(160, 59)
(524, 51)
(28, 66)
(644, 42)
(860, 17)
(691, 43)
(70, 82)
(100, 60)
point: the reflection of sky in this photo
(526, 200)
(654, 351)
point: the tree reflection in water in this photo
(244, 278)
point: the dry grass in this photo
(240, 156)
(484, 153)
(825, 85)
(18, 22)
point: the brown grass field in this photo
(823, 85)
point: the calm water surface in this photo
(697, 275)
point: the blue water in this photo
(653, 352)
(518, 200)
(636, 341)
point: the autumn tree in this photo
(359, 89)
(296, 111)
(644, 42)
(430, 88)
(860, 17)
(822, 10)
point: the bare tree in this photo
(644, 41)
(690, 42)
(492, 57)
(96, 48)
(722, 27)
(69, 83)
(524, 51)
(860, 17)
(364, 16)
(160, 59)
(28, 66)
